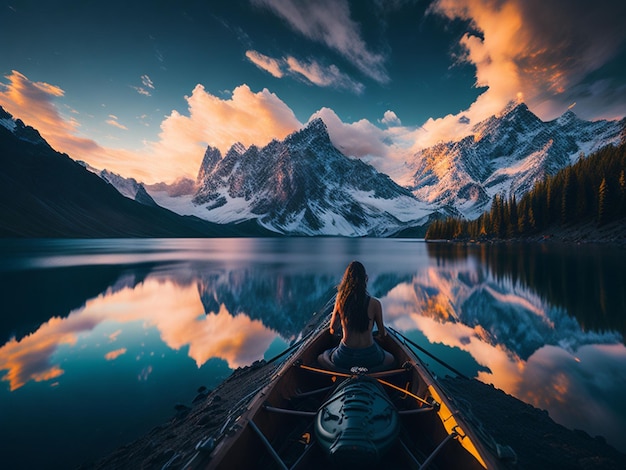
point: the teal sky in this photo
(123, 76)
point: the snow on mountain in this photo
(303, 185)
(7, 121)
(506, 154)
(20, 130)
(127, 187)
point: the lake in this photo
(100, 339)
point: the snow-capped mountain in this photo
(506, 154)
(303, 185)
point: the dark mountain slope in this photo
(44, 193)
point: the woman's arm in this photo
(378, 316)
(333, 320)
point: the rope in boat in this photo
(206, 445)
(432, 356)
(383, 382)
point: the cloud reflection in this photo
(112, 355)
(175, 311)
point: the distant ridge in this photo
(44, 193)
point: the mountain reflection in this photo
(282, 302)
(475, 298)
(509, 307)
(586, 282)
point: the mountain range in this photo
(44, 193)
(303, 185)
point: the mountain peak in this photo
(513, 108)
(567, 117)
(211, 158)
(317, 124)
(6, 120)
(315, 130)
(21, 130)
(238, 148)
(303, 185)
(4, 114)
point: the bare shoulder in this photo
(375, 305)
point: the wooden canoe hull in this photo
(300, 386)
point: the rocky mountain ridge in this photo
(303, 185)
(506, 154)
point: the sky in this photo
(141, 88)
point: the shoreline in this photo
(611, 235)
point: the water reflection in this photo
(515, 322)
(153, 319)
(585, 281)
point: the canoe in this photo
(310, 416)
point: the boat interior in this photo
(279, 431)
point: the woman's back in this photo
(362, 339)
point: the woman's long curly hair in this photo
(352, 297)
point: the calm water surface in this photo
(99, 339)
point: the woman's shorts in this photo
(345, 358)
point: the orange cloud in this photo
(552, 378)
(542, 51)
(30, 358)
(269, 64)
(247, 117)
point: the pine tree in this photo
(622, 195)
(603, 202)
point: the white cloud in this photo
(147, 86)
(312, 71)
(147, 82)
(390, 119)
(329, 22)
(112, 121)
(386, 150)
(324, 76)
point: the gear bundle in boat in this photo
(358, 424)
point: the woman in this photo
(357, 312)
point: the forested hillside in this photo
(591, 191)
